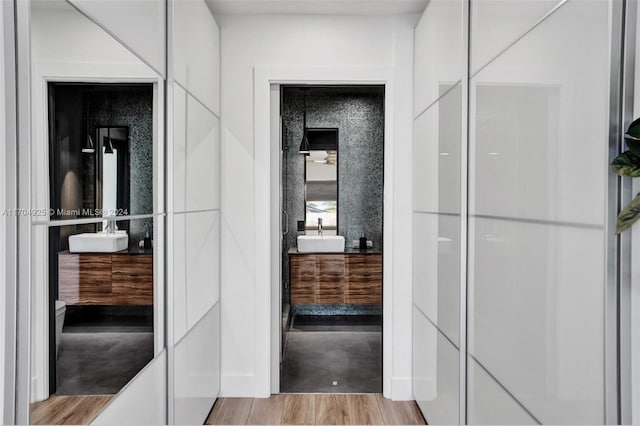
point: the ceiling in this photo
(318, 7)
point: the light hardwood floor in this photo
(315, 409)
(67, 410)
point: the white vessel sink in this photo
(99, 242)
(318, 244)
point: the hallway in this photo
(315, 409)
(456, 167)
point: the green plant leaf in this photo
(626, 164)
(633, 143)
(629, 215)
(632, 137)
(634, 128)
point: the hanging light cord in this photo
(304, 145)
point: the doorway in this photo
(331, 189)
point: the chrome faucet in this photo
(320, 226)
(111, 226)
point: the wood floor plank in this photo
(399, 412)
(230, 411)
(299, 409)
(267, 411)
(320, 409)
(332, 409)
(68, 410)
(364, 410)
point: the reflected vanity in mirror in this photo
(95, 109)
(321, 182)
(101, 277)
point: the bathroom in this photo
(332, 193)
(100, 290)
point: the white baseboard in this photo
(401, 389)
(38, 392)
(237, 386)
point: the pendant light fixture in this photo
(89, 147)
(108, 147)
(304, 145)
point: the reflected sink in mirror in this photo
(99, 242)
(316, 244)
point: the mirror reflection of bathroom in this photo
(332, 202)
(101, 264)
(321, 182)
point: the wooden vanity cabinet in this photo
(105, 278)
(364, 279)
(336, 279)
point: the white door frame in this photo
(266, 163)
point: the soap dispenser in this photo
(363, 242)
(147, 241)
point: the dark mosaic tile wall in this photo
(132, 108)
(359, 116)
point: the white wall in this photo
(497, 24)
(138, 24)
(537, 238)
(440, 60)
(3, 220)
(196, 50)
(194, 212)
(536, 219)
(303, 41)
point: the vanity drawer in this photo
(84, 279)
(331, 280)
(364, 279)
(303, 274)
(132, 279)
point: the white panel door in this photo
(137, 24)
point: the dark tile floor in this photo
(100, 363)
(333, 355)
